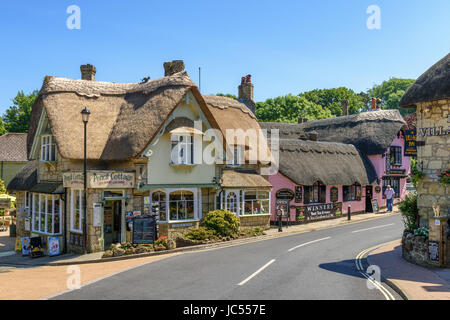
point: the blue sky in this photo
(287, 46)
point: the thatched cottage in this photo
(330, 165)
(430, 96)
(146, 149)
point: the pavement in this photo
(413, 281)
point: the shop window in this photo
(395, 156)
(46, 213)
(158, 205)
(394, 183)
(182, 151)
(48, 149)
(315, 193)
(256, 202)
(181, 205)
(76, 210)
(352, 193)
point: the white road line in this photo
(257, 272)
(7, 253)
(385, 225)
(306, 243)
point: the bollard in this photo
(349, 213)
(280, 228)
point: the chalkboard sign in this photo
(433, 250)
(144, 230)
(375, 207)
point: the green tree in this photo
(391, 91)
(2, 187)
(331, 99)
(2, 127)
(17, 116)
(289, 108)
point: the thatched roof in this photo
(305, 162)
(433, 85)
(370, 132)
(235, 179)
(124, 116)
(13, 147)
(26, 178)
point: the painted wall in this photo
(9, 170)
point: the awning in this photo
(234, 179)
(48, 187)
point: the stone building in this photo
(430, 96)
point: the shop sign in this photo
(73, 180)
(144, 230)
(318, 212)
(334, 194)
(285, 194)
(111, 180)
(282, 208)
(434, 131)
(410, 143)
(396, 171)
(97, 219)
(298, 194)
(5, 203)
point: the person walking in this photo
(389, 193)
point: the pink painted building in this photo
(327, 166)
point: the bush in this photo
(222, 222)
(410, 212)
(200, 233)
(422, 232)
(161, 242)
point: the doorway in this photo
(369, 195)
(112, 222)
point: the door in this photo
(369, 195)
(112, 222)
(232, 201)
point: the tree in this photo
(17, 116)
(331, 99)
(289, 108)
(2, 187)
(2, 127)
(391, 91)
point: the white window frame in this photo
(39, 211)
(48, 149)
(186, 146)
(253, 200)
(72, 210)
(194, 202)
(151, 203)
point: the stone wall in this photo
(415, 249)
(176, 230)
(249, 222)
(434, 156)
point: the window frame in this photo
(395, 152)
(194, 204)
(350, 193)
(186, 145)
(49, 151)
(310, 190)
(39, 212)
(257, 199)
(395, 186)
(72, 211)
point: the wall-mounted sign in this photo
(334, 194)
(396, 171)
(97, 219)
(433, 250)
(377, 189)
(318, 212)
(410, 143)
(433, 131)
(99, 179)
(298, 194)
(27, 223)
(285, 194)
(73, 180)
(5, 203)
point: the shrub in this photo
(162, 241)
(423, 232)
(410, 212)
(200, 233)
(222, 222)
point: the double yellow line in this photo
(360, 268)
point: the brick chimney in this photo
(374, 103)
(246, 92)
(172, 67)
(88, 72)
(344, 104)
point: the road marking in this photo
(378, 285)
(7, 253)
(306, 243)
(385, 225)
(256, 273)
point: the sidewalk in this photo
(7, 243)
(415, 282)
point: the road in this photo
(313, 265)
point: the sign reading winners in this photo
(410, 143)
(99, 179)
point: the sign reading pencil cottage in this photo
(99, 180)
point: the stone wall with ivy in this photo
(433, 129)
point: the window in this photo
(352, 193)
(232, 202)
(46, 213)
(394, 183)
(236, 159)
(158, 205)
(256, 202)
(315, 193)
(395, 156)
(76, 210)
(48, 149)
(182, 151)
(181, 205)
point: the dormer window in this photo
(48, 148)
(182, 151)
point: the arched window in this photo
(232, 202)
(181, 205)
(158, 205)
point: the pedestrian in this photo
(389, 193)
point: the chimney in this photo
(172, 67)
(379, 101)
(88, 72)
(374, 103)
(344, 104)
(246, 92)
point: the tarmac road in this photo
(313, 265)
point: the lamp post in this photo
(85, 117)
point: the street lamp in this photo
(85, 117)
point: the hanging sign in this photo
(334, 194)
(410, 143)
(285, 194)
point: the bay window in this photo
(46, 213)
(256, 202)
(48, 148)
(352, 193)
(182, 151)
(76, 210)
